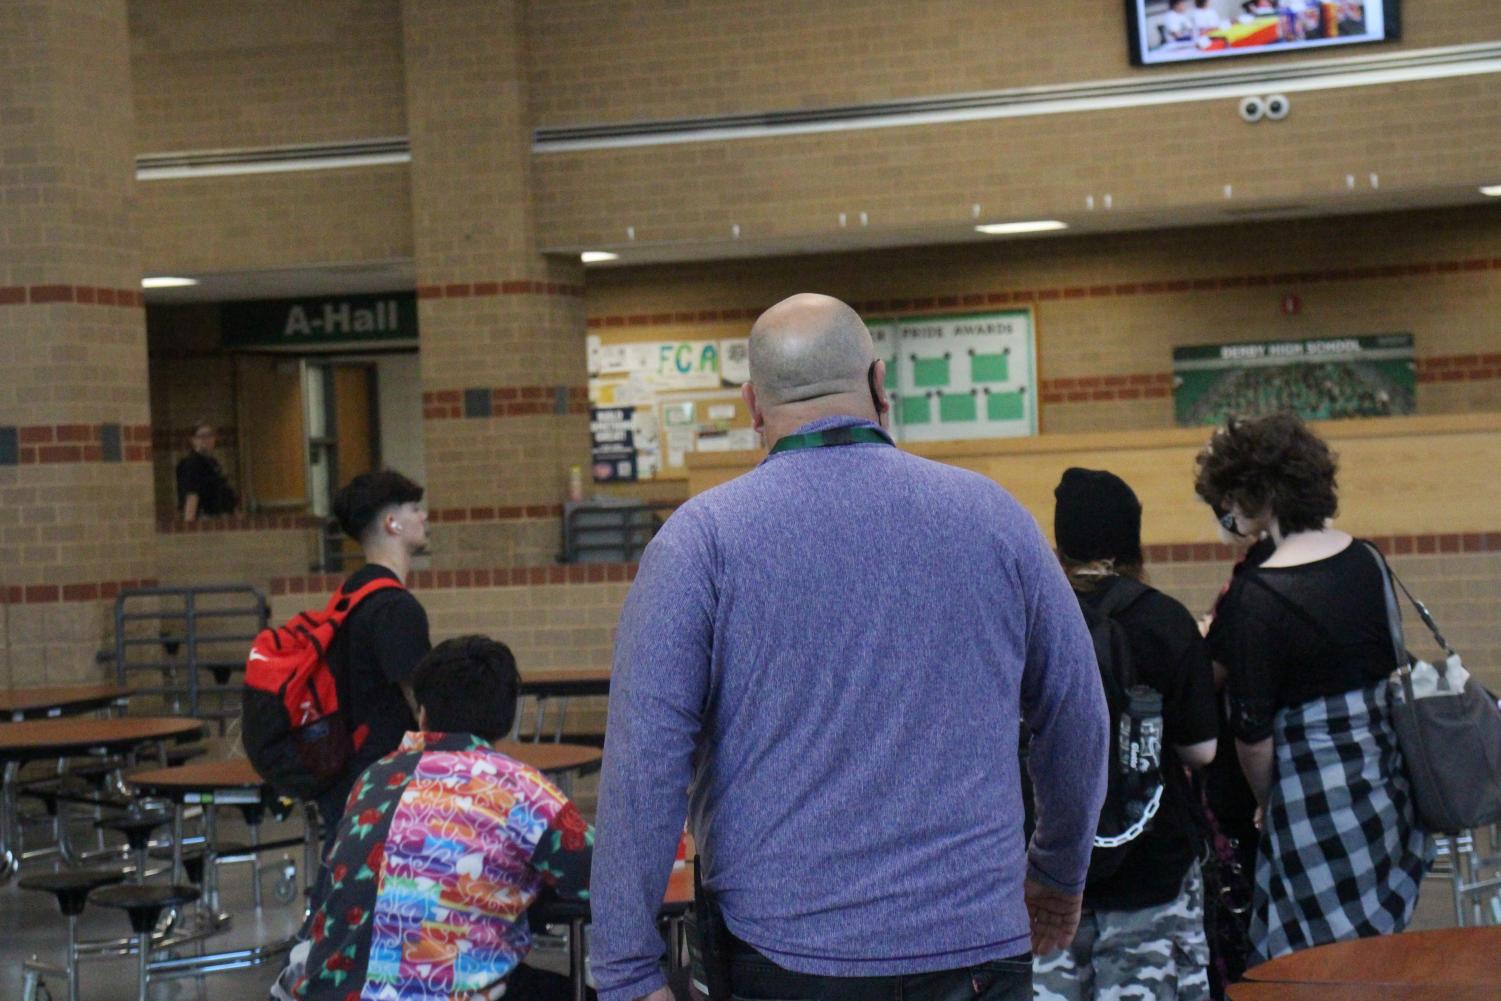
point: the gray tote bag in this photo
(1448, 726)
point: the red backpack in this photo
(294, 734)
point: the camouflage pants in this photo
(1154, 954)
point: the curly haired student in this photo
(1341, 854)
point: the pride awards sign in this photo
(960, 377)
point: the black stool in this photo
(137, 826)
(144, 905)
(72, 891)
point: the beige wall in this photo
(217, 75)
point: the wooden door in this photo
(272, 435)
(355, 428)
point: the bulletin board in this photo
(628, 380)
(713, 420)
(949, 377)
(965, 376)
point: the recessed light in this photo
(1011, 228)
(1493, 190)
(598, 256)
(167, 281)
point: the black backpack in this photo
(1131, 800)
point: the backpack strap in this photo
(1124, 592)
(341, 605)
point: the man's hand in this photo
(1054, 916)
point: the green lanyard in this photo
(833, 436)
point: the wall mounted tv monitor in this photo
(1178, 31)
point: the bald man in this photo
(825, 664)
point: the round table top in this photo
(551, 757)
(55, 698)
(199, 776)
(1446, 956)
(47, 738)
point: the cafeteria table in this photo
(44, 739)
(560, 685)
(231, 782)
(559, 762)
(17, 704)
(1445, 957)
(676, 903)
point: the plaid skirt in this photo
(1341, 853)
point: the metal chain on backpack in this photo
(1134, 831)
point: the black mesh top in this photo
(1305, 632)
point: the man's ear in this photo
(878, 388)
(758, 419)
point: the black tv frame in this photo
(1391, 20)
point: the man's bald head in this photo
(809, 346)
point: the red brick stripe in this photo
(886, 307)
(466, 290)
(1092, 389)
(505, 401)
(240, 523)
(43, 444)
(88, 295)
(574, 573)
(456, 515)
(1459, 368)
(52, 594)
(598, 573)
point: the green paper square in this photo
(916, 410)
(930, 372)
(957, 408)
(989, 368)
(1005, 407)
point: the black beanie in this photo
(1097, 517)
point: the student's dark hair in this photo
(468, 685)
(1270, 462)
(363, 499)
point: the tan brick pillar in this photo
(75, 455)
(504, 372)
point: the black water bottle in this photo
(1140, 746)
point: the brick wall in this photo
(75, 474)
(920, 182)
(210, 77)
(276, 220)
(610, 61)
(1110, 308)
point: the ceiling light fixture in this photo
(1493, 190)
(1012, 228)
(598, 256)
(167, 281)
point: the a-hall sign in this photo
(383, 320)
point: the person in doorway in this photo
(832, 657)
(1142, 931)
(203, 490)
(446, 844)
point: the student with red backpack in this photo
(329, 693)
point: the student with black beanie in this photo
(1142, 930)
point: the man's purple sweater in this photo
(828, 659)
